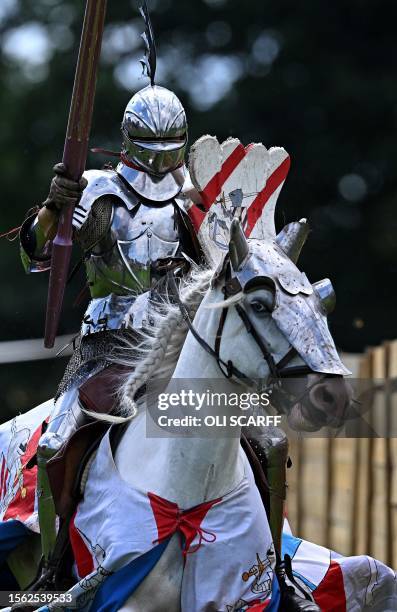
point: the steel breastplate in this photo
(127, 264)
(150, 238)
(130, 258)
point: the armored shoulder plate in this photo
(108, 182)
(102, 183)
(93, 214)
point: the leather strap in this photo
(230, 368)
(278, 370)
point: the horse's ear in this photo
(238, 245)
(292, 238)
(326, 293)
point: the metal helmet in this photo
(154, 130)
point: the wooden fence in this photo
(342, 492)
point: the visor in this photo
(160, 145)
(157, 157)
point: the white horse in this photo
(248, 296)
(189, 472)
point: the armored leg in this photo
(65, 419)
(271, 448)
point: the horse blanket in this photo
(18, 471)
(226, 544)
(341, 584)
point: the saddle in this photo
(98, 394)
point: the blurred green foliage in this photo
(316, 77)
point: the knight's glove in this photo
(63, 191)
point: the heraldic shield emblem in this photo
(235, 181)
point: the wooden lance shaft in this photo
(75, 155)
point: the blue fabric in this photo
(289, 546)
(275, 601)
(117, 588)
(307, 582)
(12, 533)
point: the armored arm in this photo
(35, 247)
(39, 229)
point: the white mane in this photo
(156, 351)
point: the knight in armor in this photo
(132, 227)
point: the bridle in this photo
(277, 370)
(284, 398)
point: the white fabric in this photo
(118, 525)
(362, 585)
(14, 438)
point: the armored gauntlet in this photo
(63, 191)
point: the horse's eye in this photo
(259, 307)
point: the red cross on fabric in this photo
(170, 519)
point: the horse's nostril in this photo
(325, 405)
(332, 396)
(327, 396)
(323, 396)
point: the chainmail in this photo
(97, 223)
(92, 354)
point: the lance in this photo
(75, 155)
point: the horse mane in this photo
(154, 354)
